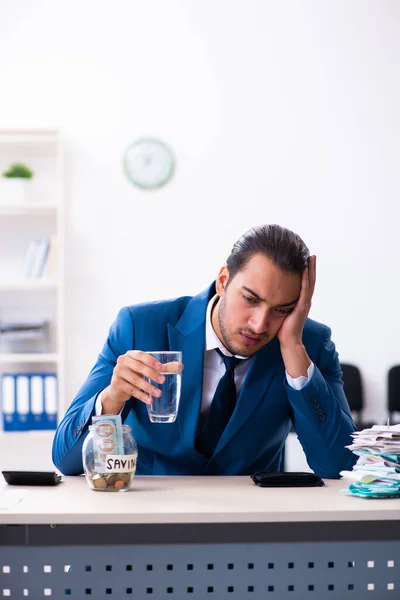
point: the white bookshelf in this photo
(41, 215)
(32, 141)
(26, 357)
(34, 208)
(28, 285)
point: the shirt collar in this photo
(212, 340)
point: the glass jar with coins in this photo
(109, 455)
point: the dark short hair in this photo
(285, 249)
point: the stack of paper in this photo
(24, 336)
(29, 330)
(377, 472)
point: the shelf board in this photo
(39, 434)
(33, 208)
(28, 285)
(37, 357)
(21, 143)
(28, 136)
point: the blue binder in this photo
(29, 401)
(43, 401)
(22, 401)
(50, 401)
(8, 404)
(37, 414)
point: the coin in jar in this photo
(99, 483)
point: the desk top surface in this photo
(187, 500)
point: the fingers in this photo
(133, 371)
(312, 275)
(307, 284)
(132, 376)
(147, 369)
(149, 366)
(304, 291)
(143, 360)
(122, 386)
(137, 382)
(172, 367)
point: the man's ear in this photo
(222, 280)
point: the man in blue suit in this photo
(286, 372)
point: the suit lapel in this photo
(188, 335)
(255, 386)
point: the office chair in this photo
(393, 392)
(353, 389)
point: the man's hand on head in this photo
(290, 334)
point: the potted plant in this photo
(15, 182)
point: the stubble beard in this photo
(226, 338)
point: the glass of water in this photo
(164, 409)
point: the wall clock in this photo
(148, 163)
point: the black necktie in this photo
(221, 409)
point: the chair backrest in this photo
(394, 389)
(352, 386)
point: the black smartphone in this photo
(31, 477)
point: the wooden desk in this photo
(198, 537)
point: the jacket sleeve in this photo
(321, 415)
(72, 430)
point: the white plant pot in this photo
(14, 190)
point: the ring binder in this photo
(29, 401)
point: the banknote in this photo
(107, 438)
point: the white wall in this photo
(282, 112)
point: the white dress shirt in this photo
(214, 368)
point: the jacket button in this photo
(319, 411)
(316, 405)
(313, 398)
(322, 418)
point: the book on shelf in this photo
(40, 259)
(50, 267)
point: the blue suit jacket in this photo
(255, 436)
